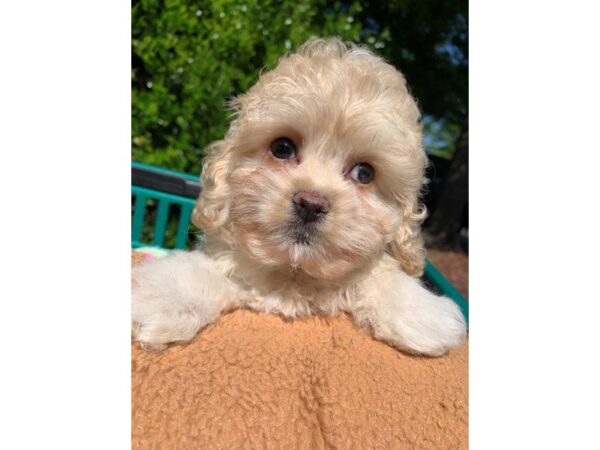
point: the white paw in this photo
(413, 319)
(431, 329)
(169, 302)
(157, 321)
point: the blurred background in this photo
(190, 56)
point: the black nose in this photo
(310, 206)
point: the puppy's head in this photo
(322, 167)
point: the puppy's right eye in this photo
(283, 148)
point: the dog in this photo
(309, 205)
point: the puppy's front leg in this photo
(409, 317)
(175, 296)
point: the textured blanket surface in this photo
(258, 381)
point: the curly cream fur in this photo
(341, 105)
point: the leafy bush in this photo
(190, 56)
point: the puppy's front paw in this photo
(417, 321)
(158, 320)
(170, 302)
(433, 328)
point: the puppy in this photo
(309, 205)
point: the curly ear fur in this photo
(408, 246)
(212, 207)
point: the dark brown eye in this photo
(363, 173)
(283, 148)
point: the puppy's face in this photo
(324, 162)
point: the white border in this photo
(64, 178)
(534, 225)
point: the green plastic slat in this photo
(161, 222)
(186, 204)
(163, 170)
(442, 283)
(138, 216)
(150, 193)
(184, 221)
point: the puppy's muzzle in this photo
(310, 206)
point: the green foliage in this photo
(190, 56)
(440, 136)
(429, 44)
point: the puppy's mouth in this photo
(302, 233)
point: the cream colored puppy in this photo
(309, 205)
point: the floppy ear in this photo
(212, 207)
(408, 247)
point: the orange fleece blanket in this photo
(258, 381)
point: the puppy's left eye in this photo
(283, 148)
(363, 173)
